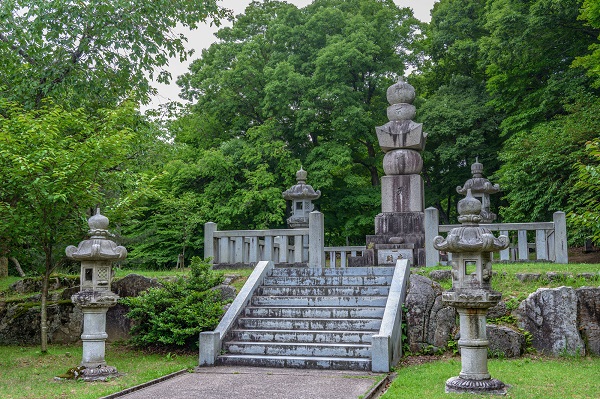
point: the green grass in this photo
(531, 378)
(27, 374)
(505, 281)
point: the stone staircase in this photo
(314, 318)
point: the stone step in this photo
(323, 290)
(358, 337)
(304, 362)
(327, 280)
(318, 301)
(314, 312)
(308, 324)
(297, 349)
(347, 271)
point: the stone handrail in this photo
(550, 238)
(231, 248)
(211, 341)
(386, 347)
(343, 253)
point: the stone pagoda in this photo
(481, 188)
(472, 295)
(95, 296)
(300, 197)
(399, 228)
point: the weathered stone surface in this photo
(440, 275)
(523, 277)
(589, 276)
(133, 285)
(402, 162)
(402, 193)
(227, 292)
(550, 315)
(498, 311)
(20, 323)
(401, 134)
(429, 322)
(505, 341)
(401, 112)
(588, 317)
(34, 284)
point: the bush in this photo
(174, 315)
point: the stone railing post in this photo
(209, 240)
(316, 240)
(432, 222)
(560, 238)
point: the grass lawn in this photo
(27, 374)
(529, 378)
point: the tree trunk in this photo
(3, 266)
(17, 266)
(44, 304)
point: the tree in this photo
(54, 165)
(453, 104)
(92, 52)
(316, 79)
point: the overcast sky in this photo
(203, 37)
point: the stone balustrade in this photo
(338, 256)
(550, 239)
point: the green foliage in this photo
(539, 171)
(586, 218)
(590, 12)
(174, 315)
(92, 52)
(295, 87)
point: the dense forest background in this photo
(515, 83)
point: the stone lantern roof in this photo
(301, 190)
(470, 237)
(478, 183)
(99, 246)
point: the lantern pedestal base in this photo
(489, 386)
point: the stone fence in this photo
(245, 248)
(550, 239)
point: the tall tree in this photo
(91, 52)
(53, 164)
(454, 107)
(317, 77)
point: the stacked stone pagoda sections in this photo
(399, 228)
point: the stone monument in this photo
(95, 297)
(472, 295)
(399, 228)
(481, 188)
(300, 197)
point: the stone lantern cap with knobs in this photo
(481, 188)
(301, 196)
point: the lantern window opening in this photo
(89, 274)
(470, 267)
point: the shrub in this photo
(174, 314)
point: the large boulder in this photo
(588, 317)
(20, 323)
(429, 323)
(550, 315)
(504, 341)
(133, 285)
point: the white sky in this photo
(203, 37)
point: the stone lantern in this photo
(472, 295)
(95, 297)
(301, 196)
(481, 188)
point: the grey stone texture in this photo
(497, 311)
(504, 341)
(524, 277)
(588, 318)
(429, 323)
(440, 275)
(550, 315)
